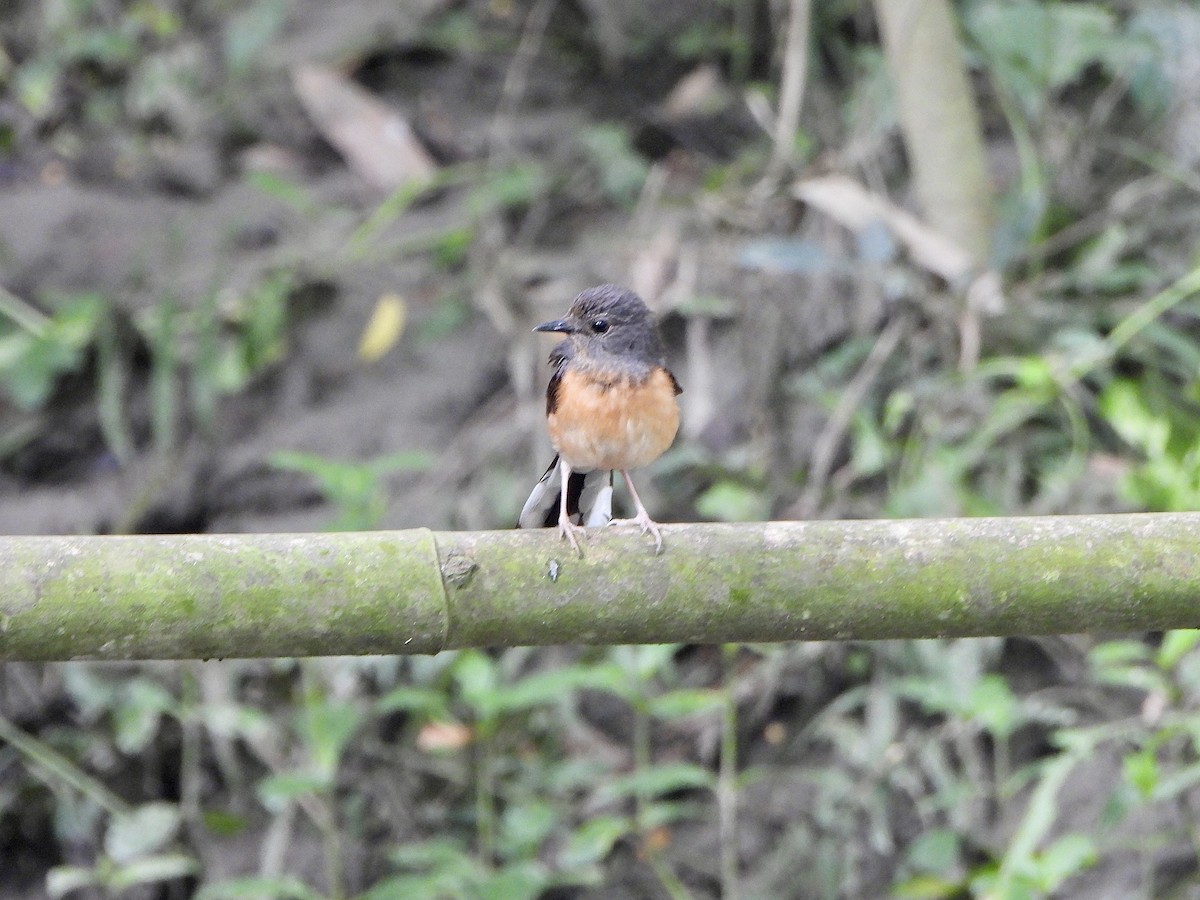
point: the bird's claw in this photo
(647, 525)
(568, 530)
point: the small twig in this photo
(276, 841)
(1157, 306)
(488, 259)
(835, 429)
(742, 53)
(791, 89)
(1127, 201)
(517, 76)
(1155, 161)
(54, 769)
(727, 788)
(23, 313)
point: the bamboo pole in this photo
(419, 591)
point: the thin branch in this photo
(843, 414)
(23, 313)
(727, 780)
(499, 138)
(791, 89)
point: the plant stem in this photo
(727, 789)
(57, 769)
(485, 798)
(26, 316)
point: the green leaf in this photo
(478, 680)
(436, 885)
(645, 661)
(983, 881)
(938, 851)
(279, 887)
(1040, 815)
(248, 32)
(223, 823)
(1141, 770)
(436, 853)
(36, 85)
(1170, 786)
(91, 692)
(442, 867)
(112, 389)
(1035, 48)
(622, 169)
(62, 880)
(936, 695)
(1124, 407)
(689, 702)
(1066, 857)
(1175, 645)
(327, 726)
(234, 720)
(1115, 653)
(137, 715)
(523, 828)
(870, 451)
(897, 409)
(145, 830)
(657, 813)
(655, 781)
(283, 189)
(1126, 663)
(524, 880)
(510, 188)
(453, 248)
(593, 841)
(276, 791)
(354, 487)
(995, 706)
(550, 687)
(730, 501)
(927, 887)
(153, 869)
(31, 365)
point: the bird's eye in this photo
(599, 325)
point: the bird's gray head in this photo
(610, 321)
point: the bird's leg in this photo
(565, 526)
(642, 519)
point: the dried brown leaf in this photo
(849, 203)
(376, 141)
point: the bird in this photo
(610, 406)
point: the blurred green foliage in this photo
(32, 359)
(355, 489)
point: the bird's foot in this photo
(571, 532)
(648, 526)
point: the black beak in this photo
(557, 325)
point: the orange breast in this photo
(617, 424)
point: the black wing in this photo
(559, 357)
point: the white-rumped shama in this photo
(610, 405)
